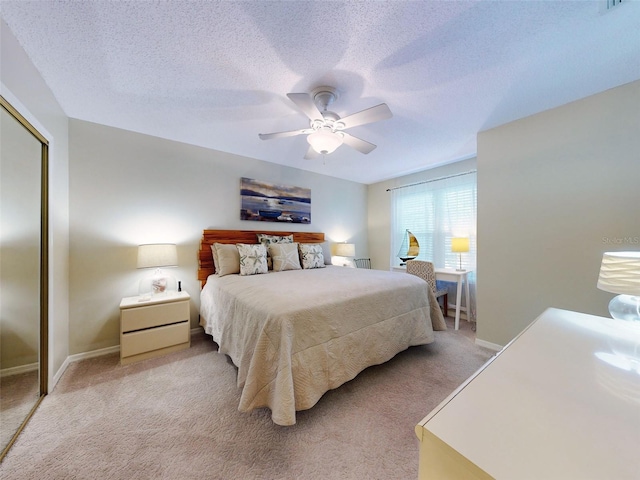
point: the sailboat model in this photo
(409, 249)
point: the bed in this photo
(295, 334)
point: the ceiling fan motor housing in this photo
(324, 96)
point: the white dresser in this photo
(560, 402)
(153, 326)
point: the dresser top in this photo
(562, 401)
(144, 300)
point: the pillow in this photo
(253, 258)
(215, 258)
(311, 255)
(285, 256)
(226, 259)
(266, 240)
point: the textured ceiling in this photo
(216, 74)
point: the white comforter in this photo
(296, 334)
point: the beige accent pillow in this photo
(253, 258)
(228, 259)
(311, 255)
(214, 252)
(285, 256)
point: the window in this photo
(435, 211)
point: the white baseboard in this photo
(491, 346)
(7, 372)
(95, 353)
(58, 375)
(114, 349)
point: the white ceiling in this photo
(216, 74)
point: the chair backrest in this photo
(424, 270)
(362, 262)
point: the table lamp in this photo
(620, 273)
(156, 255)
(347, 250)
(460, 245)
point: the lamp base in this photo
(157, 284)
(625, 307)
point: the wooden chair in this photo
(425, 271)
(363, 262)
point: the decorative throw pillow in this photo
(266, 240)
(226, 258)
(284, 256)
(311, 255)
(253, 258)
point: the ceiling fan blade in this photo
(311, 154)
(292, 133)
(306, 104)
(354, 142)
(370, 115)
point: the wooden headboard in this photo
(209, 237)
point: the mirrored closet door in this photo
(23, 272)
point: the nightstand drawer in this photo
(154, 339)
(154, 315)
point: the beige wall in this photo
(379, 208)
(555, 191)
(128, 188)
(23, 86)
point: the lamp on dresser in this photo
(157, 255)
(620, 273)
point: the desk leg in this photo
(458, 302)
(466, 294)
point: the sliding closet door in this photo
(23, 272)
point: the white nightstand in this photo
(153, 327)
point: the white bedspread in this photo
(296, 334)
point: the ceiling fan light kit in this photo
(326, 133)
(324, 141)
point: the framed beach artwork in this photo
(266, 202)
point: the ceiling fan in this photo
(326, 128)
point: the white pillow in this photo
(311, 255)
(226, 258)
(253, 258)
(284, 256)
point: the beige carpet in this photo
(18, 394)
(176, 417)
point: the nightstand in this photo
(150, 327)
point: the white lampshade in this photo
(459, 244)
(324, 141)
(157, 255)
(620, 273)
(345, 249)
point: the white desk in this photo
(560, 402)
(452, 275)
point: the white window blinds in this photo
(435, 212)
